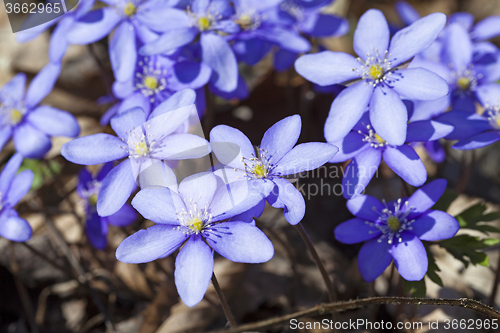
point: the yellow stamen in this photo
(376, 72)
(260, 171)
(379, 139)
(393, 223)
(244, 21)
(150, 82)
(15, 116)
(130, 9)
(463, 83)
(196, 225)
(93, 200)
(203, 23)
(141, 148)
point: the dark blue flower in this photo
(305, 16)
(382, 83)
(394, 230)
(30, 125)
(365, 148)
(12, 189)
(474, 130)
(194, 214)
(96, 227)
(263, 25)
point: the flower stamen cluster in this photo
(91, 193)
(11, 116)
(257, 166)
(393, 222)
(16, 116)
(467, 79)
(130, 9)
(203, 22)
(138, 144)
(195, 221)
(248, 21)
(373, 138)
(375, 69)
(151, 81)
(492, 113)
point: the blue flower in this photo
(382, 83)
(30, 125)
(366, 149)
(483, 30)
(58, 42)
(471, 129)
(96, 227)
(208, 20)
(154, 80)
(12, 189)
(305, 17)
(468, 67)
(133, 22)
(394, 230)
(194, 214)
(274, 160)
(262, 24)
(143, 142)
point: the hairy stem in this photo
(223, 302)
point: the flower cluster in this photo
(407, 87)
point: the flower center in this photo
(257, 166)
(138, 146)
(373, 138)
(152, 79)
(466, 79)
(203, 23)
(150, 82)
(93, 199)
(196, 220)
(375, 69)
(393, 223)
(376, 72)
(15, 116)
(379, 139)
(259, 170)
(464, 83)
(196, 225)
(245, 21)
(141, 148)
(130, 9)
